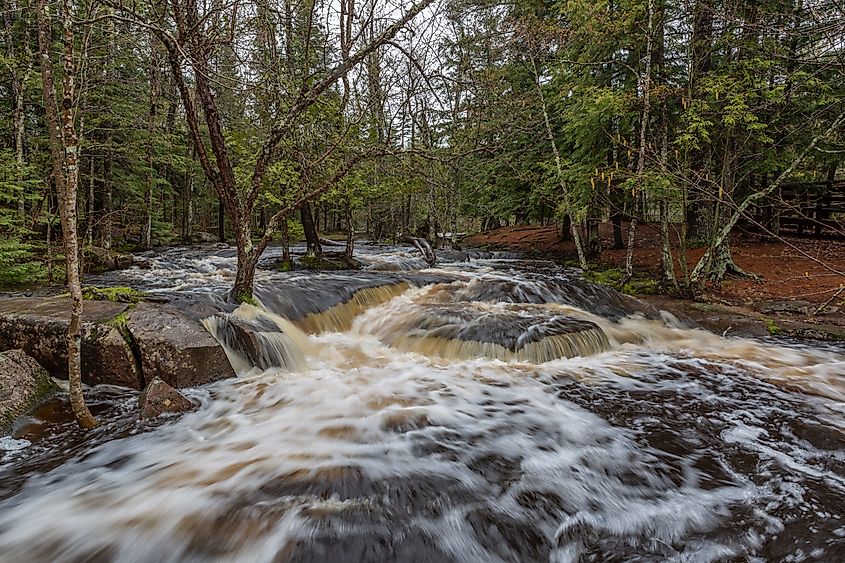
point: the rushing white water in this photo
(674, 444)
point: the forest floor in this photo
(795, 276)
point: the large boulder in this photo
(174, 347)
(39, 326)
(23, 384)
(97, 260)
(123, 344)
(159, 398)
(512, 332)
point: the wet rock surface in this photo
(122, 344)
(175, 348)
(159, 398)
(763, 320)
(512, 329)
(38, 325)
(672, 445)
(23, 384)
(297, 296)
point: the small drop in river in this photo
(489, 409)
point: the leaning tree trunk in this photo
(64, 149)
(573, 228)
(754, 199)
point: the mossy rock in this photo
(612, 277)
(23, 385)
(328, 261)
(98, 260)
(114, 294)
(284, 265)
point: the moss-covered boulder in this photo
(23, 384)
(328, 261)
(126, 344)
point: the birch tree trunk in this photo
(646, 88)
(64, 149)
(576, 237)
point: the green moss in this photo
(120, 320)
(284, 265)
(127, 247)
(641, 287)
(772, 327)
(45, 389)
(611, 277)
(246, 298)
(115, 294)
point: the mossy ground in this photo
(612, 277)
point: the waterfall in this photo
(255, 337)
(339, 318)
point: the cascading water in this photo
(651, 442)
(254, 337)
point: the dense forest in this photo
(270, 121)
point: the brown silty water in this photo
(492, 409)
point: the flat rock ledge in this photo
(24, 384)
(122, 344)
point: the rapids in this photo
(354, 434)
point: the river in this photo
(445, 422)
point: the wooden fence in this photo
(811, 208)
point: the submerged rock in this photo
(175, 348)
(23, 384)
(159, 398)
(38, 325)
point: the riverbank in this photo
(795, 278)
